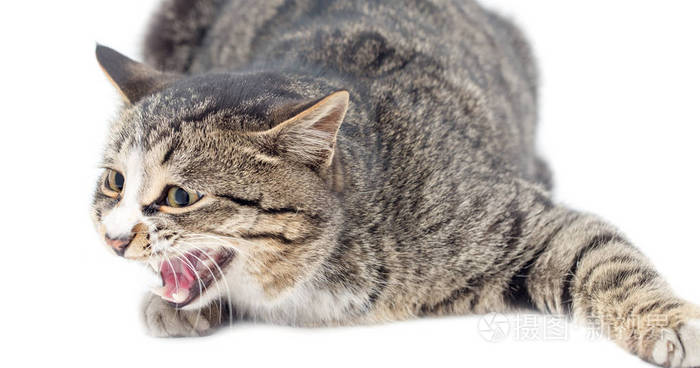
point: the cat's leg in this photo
(580, 266)
(163, 320)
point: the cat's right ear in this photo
(309, 136)
(132, 79)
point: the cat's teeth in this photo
(181, 295)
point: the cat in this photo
(327, 163)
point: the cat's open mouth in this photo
(189, 275)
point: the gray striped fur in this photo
(435, 201)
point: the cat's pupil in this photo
(119, 181)
(181, 197)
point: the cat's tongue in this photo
(178, 279)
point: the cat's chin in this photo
(188, 277)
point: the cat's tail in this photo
(176, 30)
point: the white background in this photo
(619, 124)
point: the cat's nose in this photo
(118, 244)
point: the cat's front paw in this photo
(162, 320)
(679, 348)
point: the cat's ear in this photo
(132, 79)
(309, 136)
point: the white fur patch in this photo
(690, 336)
(127, 213)
(679, 350)
(302, 305)
(668, 351)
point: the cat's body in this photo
(430, 199)
(438, 115)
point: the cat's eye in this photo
(114, 181)
(179, 197)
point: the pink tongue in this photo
(177, 277)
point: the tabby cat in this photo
(320, 162)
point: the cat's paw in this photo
(679, 349)
(162, 320)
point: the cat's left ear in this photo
(309, 136)
(132, 79)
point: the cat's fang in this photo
(180, 296)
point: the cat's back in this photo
(446, 73)
(364, 38)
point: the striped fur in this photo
(430, 200)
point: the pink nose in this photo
(119, 245)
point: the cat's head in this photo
(218, 179)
